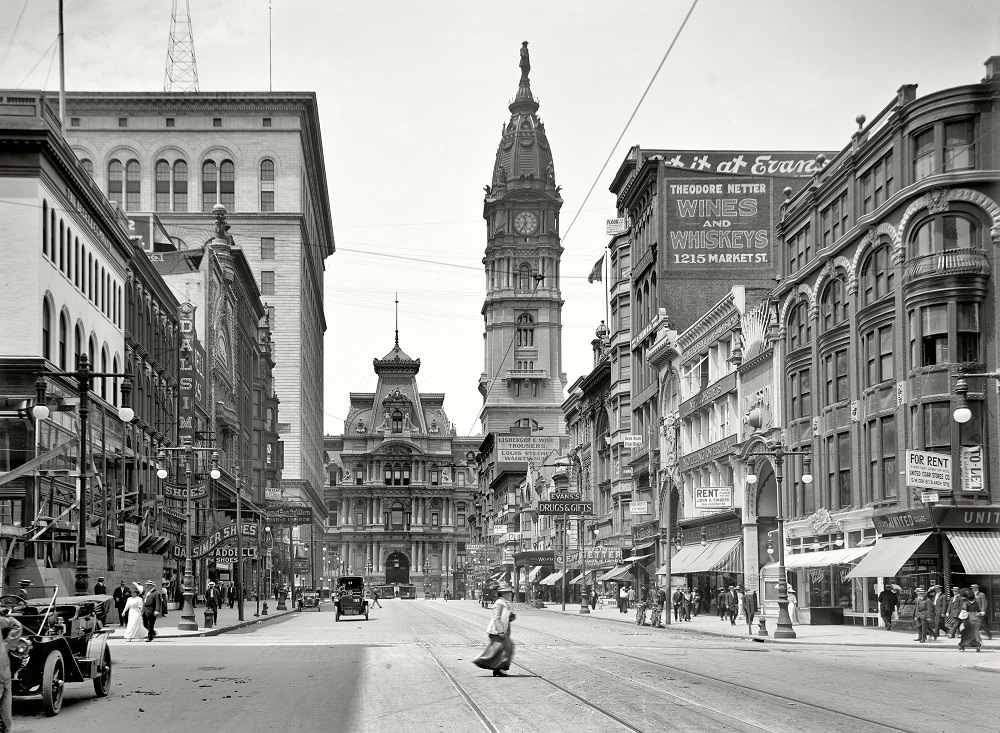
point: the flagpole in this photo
(607, 290)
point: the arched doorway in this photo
(397, 569)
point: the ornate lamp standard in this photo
(187, 622)
(777, 452)
(84, 379)
(427, 580)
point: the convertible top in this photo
(71, 600)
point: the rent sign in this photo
(927, 470)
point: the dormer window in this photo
(435, 475)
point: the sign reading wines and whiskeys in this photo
(566, 507)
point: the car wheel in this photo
(53, 683)
(102, 683)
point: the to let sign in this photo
(926, 470)
(566, 507)
(972, 468)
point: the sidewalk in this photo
(805, 635)
(226, 620)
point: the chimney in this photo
(992, 70)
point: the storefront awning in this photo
(980, 551)
(888, 556)
(822, 558)
(533, 575)
(680, 562)
(714, 554)
(643, 546)
(640, 558)
(619, 573)
(551, 579)
(580, 578)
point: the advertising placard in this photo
(616, 227)
(499, 529)
(715, 222)
(524, 449)
(713, 497)
(928, 497)
(638, 507)
(927, 470)
(631, 440)
(230, 553)
(566, 507)
(972, 468)
(131, 537)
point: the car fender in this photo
(97, 644)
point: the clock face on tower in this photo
(525, 222)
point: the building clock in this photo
(525, 223)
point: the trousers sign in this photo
(566, 507)
(926, 470)
(203, 548)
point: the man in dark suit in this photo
(153, 607)
(748, 605)
(732, 604)
(121, 595)
(887, 603)
(99, 588)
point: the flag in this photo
(597, 272)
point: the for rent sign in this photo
(927, 470)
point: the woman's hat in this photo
(504, 588)
(138, 586)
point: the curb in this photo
(769, 639)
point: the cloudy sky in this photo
(412, 96)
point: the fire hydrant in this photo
(209, 618)
(264, 611)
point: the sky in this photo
(412, 96)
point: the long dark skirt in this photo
(970, 631)
(497, 654)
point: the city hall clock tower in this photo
(523, 384)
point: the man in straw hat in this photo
(923, 613)
(500, 651)
(153, 607)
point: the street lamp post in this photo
(427, 580)
(784, 627)
(188, 621)
(84, 378)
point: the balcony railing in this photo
(527, 374)
(948, 262)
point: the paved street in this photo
(408, 668)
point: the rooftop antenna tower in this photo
(182, 69)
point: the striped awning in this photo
(551, 579)
(680, 561)
(823, 558)
(533, 575)
(619, 573)
(887, 556)
(980, 551)
(731, 562)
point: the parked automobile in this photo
(350, 597)
(64, 640)
(488, 596)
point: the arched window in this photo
(209, 185)
(877, 275)
(133, 186)
(90, 277)
(834, 306)
(397, 421)
(62, 247)
(227, 184)
(88, 166)
(117, 369)
(524, 278)
(63, 337)
(267, 171)
(92, 352)
(115, 182)
(104, 368)
(180, 185)
(79, 346)
(46, 329)
(799, 332)
(77, 269)
(45, 228)
(944, 233)
(162, 198)
(525, 330)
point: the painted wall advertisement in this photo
(719, 221)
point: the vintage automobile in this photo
(64, 640)
(349, 597)
(310, 598)
(488, 594)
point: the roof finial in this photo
(525, 62)
(397, 319)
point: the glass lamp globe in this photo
(126, 414)
(215, 474)
(962, 414)
(161, 473)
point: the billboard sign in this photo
(927, 470)
(566, 507)
(713, 497)
(719, 222)
(524, 449)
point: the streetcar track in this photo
(596, 708)
(686, 672)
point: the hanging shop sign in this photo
(203, 548)
(713, 497)
(524, 449)
(585, 508)
(566, 496)
(638, 507)
(967, 517)
(231, 553)
(927, 470)
(180, 491)
(287, 513)
(905, 522)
